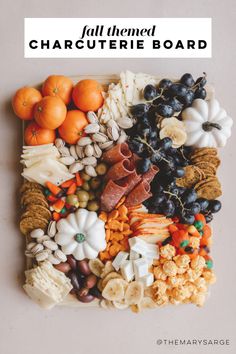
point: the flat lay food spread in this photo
(119, 189)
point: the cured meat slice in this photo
(120, 170)
(150, 174)
(111, 195)
(131, 181)
(117, 153)
(139, 194)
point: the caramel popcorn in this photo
(198, 262)
(194, 242)
(159, 287)
(170, 268)
(167, 252)
(158, 273)
(209, 277)
(182, 261)
(198, 299)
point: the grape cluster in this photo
(170, 98)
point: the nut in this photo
(112, 123)
(76, 167)
(125, 123)
(73, 152)
(97, 151)
(51, 245)
(59, 143)
(89, 150)
(41, 256)
(122, 138)
(89, 161)
(60, 255)
(79, 151)
(90, 170)
(112, 133)
(53, 259)
(43, 238)
(85, 140)
(29, 254)
(103, 129)
(52, 229)
(106, 145)
(30, 246)
(92, 117)
(64, 151)
(92, 128)
(36, 249)
(100, 137)
(68, 160)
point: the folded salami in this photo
(120, 170)
(117, 153)
(111, 195)
(131, 181)
(150, 174)
(139, 194)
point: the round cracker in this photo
(38, 209)
(28, 224)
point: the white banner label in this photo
(117, 38)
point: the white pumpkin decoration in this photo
(81, 234)
(207, 124)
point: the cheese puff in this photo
(158, 273)
(162, 300)
(159, 287)
(167, 251)
(198, 299)
(209, 276)
(170, 268)
(176, 281)
(198, 262)
(194, 242)
(182, 260)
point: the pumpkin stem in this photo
(79, 238)
(207, 126)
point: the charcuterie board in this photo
(119, 189)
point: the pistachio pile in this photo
(85, 154)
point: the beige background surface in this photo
(25, 328)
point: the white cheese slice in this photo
(47, 170)
(127, 82)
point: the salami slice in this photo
(120, 170)
(139, 194)
(117, 153)
(131, 181)
(150, 174)
(111, 195)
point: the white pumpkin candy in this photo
(81, 234)
(207, 124)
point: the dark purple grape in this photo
(201, 81)
(164, 110)
(179, 172)
(203, 203)
(175, 104)
(187, 218)
(200, 93)
(149, 92)
(165, 143)
(136, 146)
(168, 208)
(188, 98)
(158, 100)
(158, 199)
(139, 110)
(166, 241)
(208, 217)
(193, 208)
(164, 84)
(187, 80)
(189, 196)
(143, 165)
(178, 90)
(214, 206)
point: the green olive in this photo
(86, 186)
(83, 196)
(91, 195)
(93, 205)
(101, 169)
(72, 199)
(84, 176)
(83, 204)
(95, 183)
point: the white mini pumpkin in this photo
(207, 124)
(81, 234)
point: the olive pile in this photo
(87, 196)
(82, 279)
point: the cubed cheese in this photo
(127, 270)
(133, 255)
(147, 280)
(138, 245)
(140, 268)
(119, 260)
